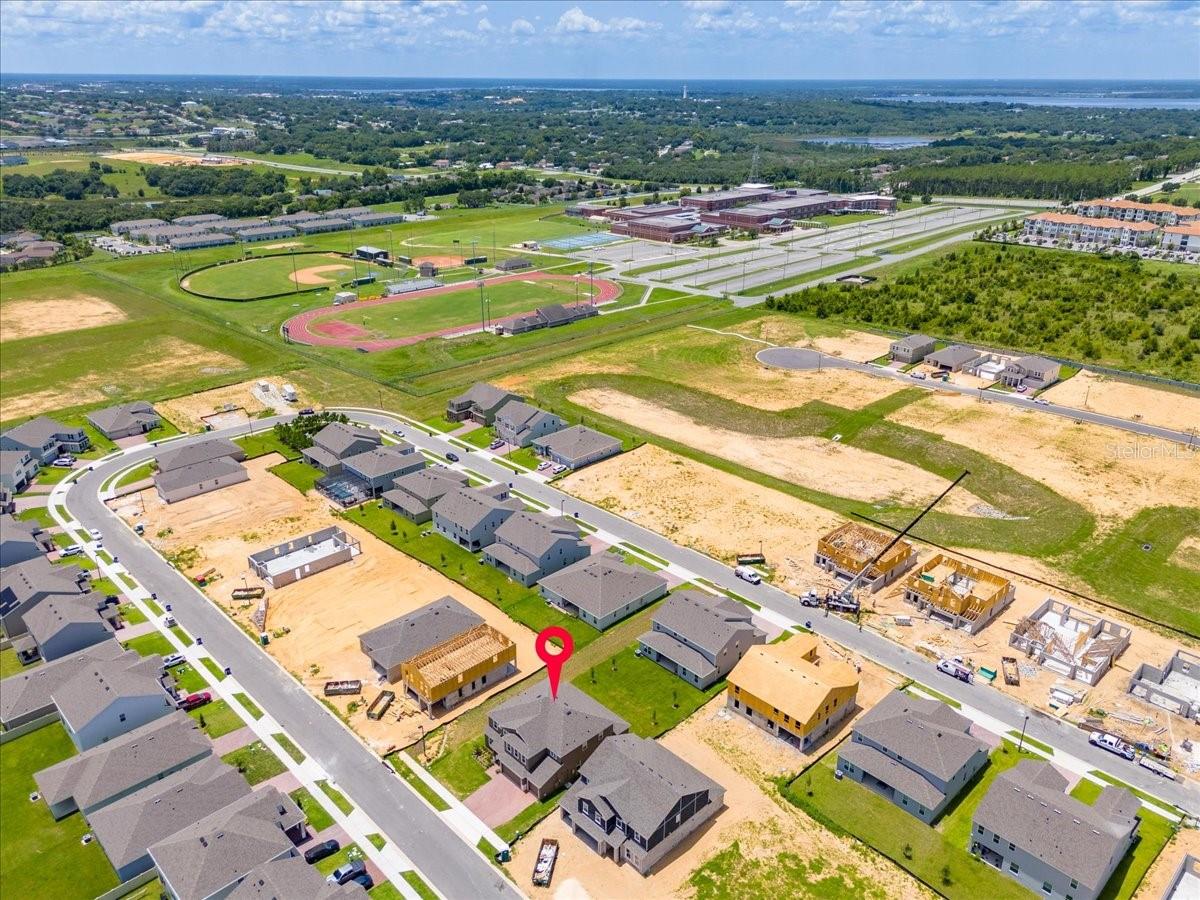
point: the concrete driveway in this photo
(498, 800)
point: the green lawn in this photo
(189, 680)
(414, 781)
(136, 474)
(289, 747)
(153, 607)
(270, 273)
(407, 317)
(1046, 749)
(460, 770)
(385, 890)
(338, 798)
(182, 636)
(213, 669)
(1153, 835)
(378, 841)
(318, 817)
(733, 875)
(417, 883)
(846, 807)
(524, 456)
(250, 706)
(131, 614)
(643, 693)
(299, 475)
(265, 442)
(523, 821)
(150, 644)
(217, 718)
(255, 762)
(39, 514)
(11, 665)
(38, 856)
(478, 437)
(343, 856)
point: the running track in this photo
(302, 330)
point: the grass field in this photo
(189, 680)
(150, 644)
(249, 705)
(255, 762)
(38, 856)
(421, 315)
(289, 747)
(318, 817)
(298, 474)
(269, 274)
(217, 718)
(337, 797)
(11, 665)
(460, 769)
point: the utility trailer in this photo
(547, 856)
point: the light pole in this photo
(482, 320)
(390, 254)
(1021, 742)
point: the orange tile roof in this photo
(1191, 228)
(1131, 204)
(1071, 219)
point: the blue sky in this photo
(609, 39)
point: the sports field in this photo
(395, 321)
(261, 276)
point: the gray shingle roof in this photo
(222, 847)
(39, 576)
(706, 621)
(561, 725)
(36, 432)
(28, 691)
(382, 460)
(956, 355)
(907, 781)
(1026, 805)
(639, 780)
(913, 342)
(577, 441)
(207, 470)
(190, 454)
(94, 688)
(123, 763)
(679, 653)
(602, 584)
(521, 416)
(927, 733)
(468, 507)
(57, 612)
(430, 484)
(339, 437)
(409, 635)
(123, 416)
(535, 534)
(127, 827)
(485, 396)
(291, 878)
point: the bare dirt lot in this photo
(814, 462)
(315, 622)
(171, 159)
(442, 262)
(743, 759)
(32, 318)
(1103, 394)
(316, 274)
(1085, 463)
(187, 412)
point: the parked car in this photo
(365, 880)
(171, 660)
(398, 431)
(195, 701)
(558, 470)
(543, 466)
(1112, 744)
(318, 852)
(810, 599)
(71, 550)
(920, 376)
(347, 871)
(452, 457)
(1040, 402)
(63, 462)
(496, 444)
(307, 411)
(747, 574)
(95, 533)
(169, 622)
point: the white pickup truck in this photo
(1112, 744)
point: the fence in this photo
(33, 725)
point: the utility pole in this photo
(295, 279)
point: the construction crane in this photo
(846, 595)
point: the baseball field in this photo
(260, 276)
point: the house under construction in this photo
(848, 549)
(1069, 641)
(468, 663)
(961, 595)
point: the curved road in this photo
(797, 358)
(440, 854)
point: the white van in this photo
(747, 574)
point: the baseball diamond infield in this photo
(418, 315)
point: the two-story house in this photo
(1032, 372)
(470, 516)
(529, 546)
(636, 801)
(479, 404)
(1053, 844)
(17, 469)
(519, 424)
(602, 589)
(110, 698)
(540, 742)
(45, 439)
(699, 637)
(380, 466)
(917, 753)
(338, 441)
(414, 494)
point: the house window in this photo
(995, 838)
(979, 829)
(1012, 846)
(121, 717)
(1047, 887)
(1014, 868)
(1074, 884)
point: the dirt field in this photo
(814, 462)
(315, 623)
(316, 274)
(1088, 464)
(170, 159)
(1158, 878)
(442, 262)
(742, 759)
(187, 412)
(1168, 409)
(165, 356)
(284, 245)
(32, 318)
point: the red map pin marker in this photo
(554, 661)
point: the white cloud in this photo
(521, 26)
(576, 21)
(484, 25)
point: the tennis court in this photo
(583, 241)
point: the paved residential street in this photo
(456, 869)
